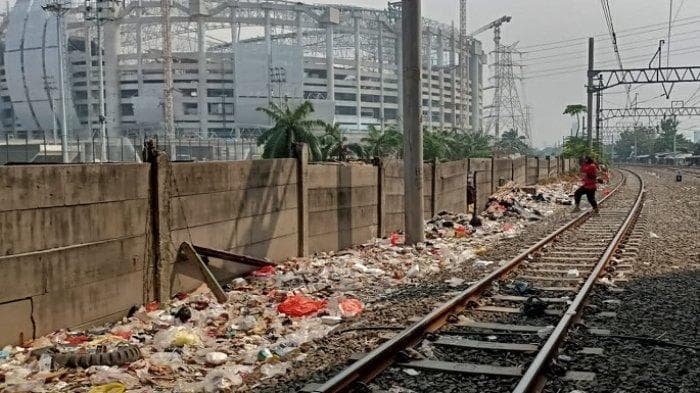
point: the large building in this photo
(229, 58)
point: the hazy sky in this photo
(557, 72)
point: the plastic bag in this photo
(166, 359)
(265, 271)
(114, 387)
(269, 370)
(350, 307)
(176, 336)
(298, 305)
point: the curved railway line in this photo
(517, 315)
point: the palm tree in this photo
(512, 143)
(437, 144)
(334, 146)
(292, 126)
(576, 109)
(382, 143)
(473, 145)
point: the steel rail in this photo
(375, 362)
(533, 379)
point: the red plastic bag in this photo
(265, 271)
(394, 238)
(152, 306)
(351, 307)
(298, 306)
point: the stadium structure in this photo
(228, 58)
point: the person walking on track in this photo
(589, 171)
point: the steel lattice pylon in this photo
(507, 111)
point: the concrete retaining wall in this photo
(74, 247)
(484, 186)
(532, 170)
(451, 186)
(81, 244)
(520, 170)
(392, 189)
(342, 206)
(246, 207)
(502, 171)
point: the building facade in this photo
(229, 58)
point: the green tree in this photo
(437, 144)
(334, 145)
(471, 145)
(291, 126)
(638, 141)
(669, 138)
(382, 143)
(576, 110)
(512, 143)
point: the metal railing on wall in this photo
(126, 149)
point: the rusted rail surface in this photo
(375, 362)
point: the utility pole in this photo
(60, 9)
(412, 111)
(168, 87)
(590, 92)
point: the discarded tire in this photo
(116, 357)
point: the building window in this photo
(82, 110)
(190, 108)
(127, 109)
(390, 114)
(219, 92)
(346, 110)
(220, 109)
(130, 93)
(345, 96)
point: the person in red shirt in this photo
(589, 171)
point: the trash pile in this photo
(192, 343)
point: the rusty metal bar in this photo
(532, 377)
(229, 256)
(382, 357)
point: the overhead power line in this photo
(687, 20)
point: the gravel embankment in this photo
(660, 301)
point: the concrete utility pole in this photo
(413, 134)
(589, 124)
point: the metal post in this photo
(599, 108)
(202, 71)
(168, 87)
(64, 125)
(358, 75)
(429, 75)
(380, 60)
(497, 79)
(589, 124)
(453, 75)
(441, 75)
(330, 71)
(412, 107)
(102, 118)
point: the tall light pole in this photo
(59, 9)
(412, 111)
(100, 13)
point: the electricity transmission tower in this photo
(508, 111)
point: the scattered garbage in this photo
(572, 273)
(350, 307)
(653, 235)
(299, 305)
(534, 307)
(481, 263)
(454, 282)
(193, 343)
(411, 372)
(216, 358)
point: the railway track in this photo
(502, 333)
